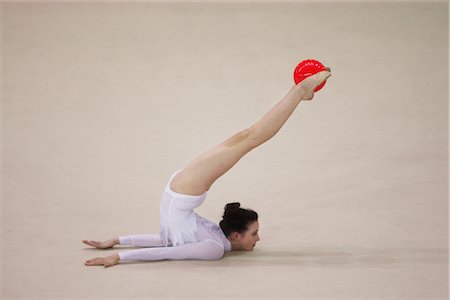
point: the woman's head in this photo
(241, 226)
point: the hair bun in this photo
(231, 207)
(236, 218)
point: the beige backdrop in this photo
(102, 102)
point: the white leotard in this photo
(183, 233)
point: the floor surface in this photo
(102, 102)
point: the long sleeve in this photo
(142, 240)
(204, 250)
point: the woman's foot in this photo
(102, 245)
(312, 82)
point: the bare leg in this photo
(199, 174)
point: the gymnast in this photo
(183, 233)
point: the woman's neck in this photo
(234, 246)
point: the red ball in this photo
(307, 68)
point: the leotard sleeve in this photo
(142, 240)
(203, 250)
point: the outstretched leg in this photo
(199, 174)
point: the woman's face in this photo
(248, 239)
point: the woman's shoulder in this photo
(206, 222)
(210, 249)
(212, 231)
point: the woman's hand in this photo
(108, 261)
(102, 245)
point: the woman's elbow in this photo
(216, 257)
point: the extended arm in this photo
(199, 174)
(204, 250)
(141, 240)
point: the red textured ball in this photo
(307, 68)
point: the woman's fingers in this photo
(87, 242)
(90, 243)
(100, 245)
(95, 244)
(94, 262)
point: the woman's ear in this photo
(234, 236)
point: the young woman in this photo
(183, 233)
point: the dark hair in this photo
(236, 219)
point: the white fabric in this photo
(212, 244)
(142, 240)
(204, 250)
(183, 235)
(178, 224)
